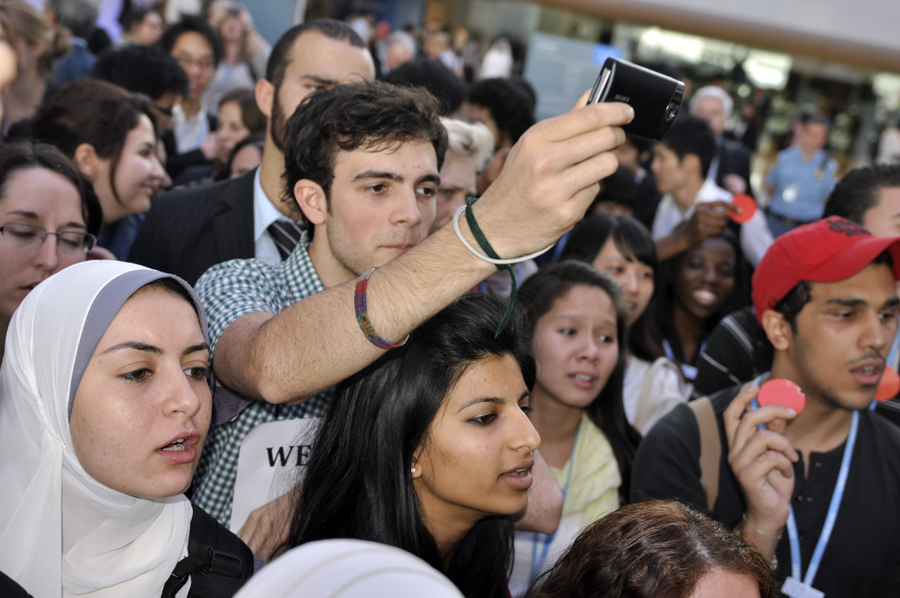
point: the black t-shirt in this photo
(861, 559)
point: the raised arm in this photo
(547, 183)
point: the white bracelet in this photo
(498, 262)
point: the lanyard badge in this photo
(797, 585)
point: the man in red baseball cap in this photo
(814, 488)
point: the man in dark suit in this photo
(730, 168)
(188, 231)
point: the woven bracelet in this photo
(362, 314)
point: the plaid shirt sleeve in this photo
(232, 289)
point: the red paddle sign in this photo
(889, 385)
(783, 392)
(747, 208)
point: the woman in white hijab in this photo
(349, 569)
(104, 407)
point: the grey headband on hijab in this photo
(106, 306)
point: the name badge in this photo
(790, 194)
(797, 589)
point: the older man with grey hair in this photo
(79, 17)
(730, 168)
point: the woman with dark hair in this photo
(429, 448)
(578, 336)
(42, 194)
(697, 290)
(623, 248)
(111, 136)
(239, 118)
(246, 155)
(105, 404)
(657, 550)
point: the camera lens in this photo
(671, 111)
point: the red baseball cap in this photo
(826, 250)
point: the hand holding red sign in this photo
(783, 392)
(746, 208)
(889, 385)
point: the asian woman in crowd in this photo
(623, 248)
(578, 335)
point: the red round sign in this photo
(889, 385)
(747, 208)
(782, 392)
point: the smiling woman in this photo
(105, 405)
(430, 449)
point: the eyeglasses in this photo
(186, 62)
(29, 236)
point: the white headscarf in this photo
(348, 569)
(61, 532)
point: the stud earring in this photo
(412, 470)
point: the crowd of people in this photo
(337, 314)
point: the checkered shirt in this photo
(228, 291)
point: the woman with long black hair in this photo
(430, 450)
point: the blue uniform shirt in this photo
(801, 187)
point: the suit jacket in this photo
(188, 231)
(733, 159)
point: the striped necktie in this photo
(286, 235)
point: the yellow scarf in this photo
(594, 486)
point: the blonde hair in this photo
(472, 140)
(22, 21)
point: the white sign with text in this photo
(272, 460)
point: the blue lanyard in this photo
(690, 372)
(536, 564)
(830, 518)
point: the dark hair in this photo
(618, 188)
(664, 329)
(29, 154)
(651, 549)
(358, 482)
(147, 70)
(78, 16)
(510, 106)
(252, 118)
(857, 192)
(280, 56)
(258, 141)
(372, 116)
(134, 16)
(93, 112)
(539, 293)
(434, 76)
(691, 135)
(633, 240)
(187, 24)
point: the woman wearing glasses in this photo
(49, 219)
